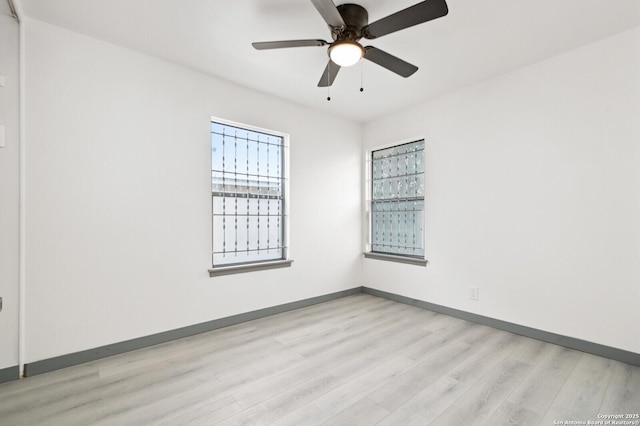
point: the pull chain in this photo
(328, 82)
(361, 75)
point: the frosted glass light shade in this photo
(346, 53)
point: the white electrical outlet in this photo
(474, 293)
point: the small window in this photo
(396, 200)
(249, 194)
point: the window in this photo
(396, 201)
(249, 194)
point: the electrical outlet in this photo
(474, 293)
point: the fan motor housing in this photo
(355, 18)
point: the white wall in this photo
(9, 189)
(118, 196)
(533, 195)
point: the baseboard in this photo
(43, 366)
(50, 364)
(9, 374)
(557, 339)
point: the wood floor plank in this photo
(333, 402)
(363, 412)
(427, 405)
(408, 384)
(446, 350)
(21, 395)
(152, 406)
(135, 361)
(494, 350)
(342, 321)
(358, 360)
(271, 386)
(207, 411)
(623, 392)
(343, 365)
(261, 365)
(439, 322)
(477, 405)
(85, 393)
(532, 351)
(538, 391)
(513, 415)
(96, 405)
(582, 394)
(363, 333)
(274, 408)
(340, 363)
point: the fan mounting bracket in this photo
(355, 18)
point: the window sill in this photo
(251, 267)
(393, 258)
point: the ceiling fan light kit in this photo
(346, 53)
(349, 23)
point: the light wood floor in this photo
(360, 360)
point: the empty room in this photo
(306, 212)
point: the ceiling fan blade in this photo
(263, 45)
(329, 74)
(388, 61)
(414, 15)
(329, 13)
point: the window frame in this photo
(368, 179)
(255, 265)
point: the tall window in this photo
(396, 201)
(249, 194)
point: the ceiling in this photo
(477, 40)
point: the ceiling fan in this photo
(349, 23)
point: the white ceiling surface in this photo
(477, 40)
